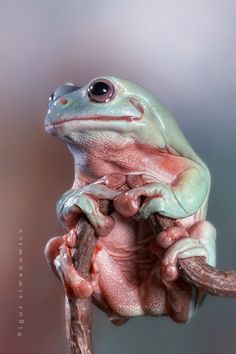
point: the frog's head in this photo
(106, 108)
(114, 113)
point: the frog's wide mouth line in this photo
(93, 118)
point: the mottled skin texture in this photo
(132, 139)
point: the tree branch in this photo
(78, 311)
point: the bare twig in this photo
(78, 311)
(212, 280)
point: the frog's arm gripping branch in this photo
(180, 199)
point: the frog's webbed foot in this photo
(177, 243)
(86, 200)
(58, 255)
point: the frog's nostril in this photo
(137, 105)
(63, 100)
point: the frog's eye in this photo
(51, 98)
(63, 90)
(101, 90)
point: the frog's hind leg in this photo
(122, 296)
(183, 300)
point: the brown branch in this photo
(78, 311)
(212, 280)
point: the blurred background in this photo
(183, 51)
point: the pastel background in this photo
(184, 52)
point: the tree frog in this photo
(119, 134)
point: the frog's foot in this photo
(183, 248)
(58, 256)
(159, 198)
(180, 245)
(86, 200)
(73, 281)
(167, 238)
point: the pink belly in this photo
(126, 276)
(129, 246)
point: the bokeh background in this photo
(183, 51)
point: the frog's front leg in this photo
(69, 209)
(180, 199)
(86, 200)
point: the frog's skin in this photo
(130, 138)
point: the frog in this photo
(120, 134)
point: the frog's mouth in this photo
(64, 121)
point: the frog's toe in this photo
(152, 195)
(168, 237)
(127, 204)
(52, 250)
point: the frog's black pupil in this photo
(99, 88)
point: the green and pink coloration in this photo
(120, 135)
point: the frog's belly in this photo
(126, 273)
(129, 247)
